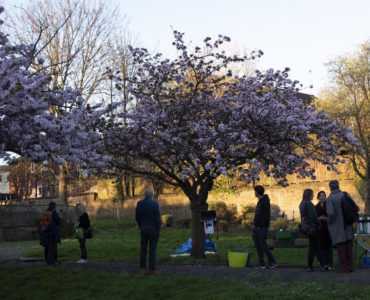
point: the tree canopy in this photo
(36, 121)
(195, 120)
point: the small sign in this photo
(208, 227)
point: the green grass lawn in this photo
(55, 283)
(114, 241)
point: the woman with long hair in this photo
(84, 225)
(324, 236)
(308, 213)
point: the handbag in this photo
(308, 228)
(88, 233)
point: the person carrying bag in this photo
(310, 226)
(83, 231)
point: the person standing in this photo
(54, 236)
(84, 224)
(308, 213)
(341, 233)
(148, 219)
(324, 236)
(261, 227)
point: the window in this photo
(1, 177)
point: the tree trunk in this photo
(367, 195)
(62, 185)
(197, 233)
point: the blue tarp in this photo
(186, 247)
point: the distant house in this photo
(4, 181)
(21, 179)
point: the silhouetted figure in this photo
(261, 228)
(148, 219)
(84, 224)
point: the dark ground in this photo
(360, 276)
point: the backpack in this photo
(349, 209)
(45, 225)
(46, 221)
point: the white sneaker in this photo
(81, 261)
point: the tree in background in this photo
(122, 66)
(348, 99)
(72, 39)
(29, 123)
(195, 120)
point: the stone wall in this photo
(21, 222)
(287, 199)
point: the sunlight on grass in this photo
(117, 241)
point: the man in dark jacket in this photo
(261, 228)
(149, 220)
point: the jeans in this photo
(314, 249)
(150, 237)
(345, 254)
(259, 238)
(83, 247)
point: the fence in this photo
(124, 212)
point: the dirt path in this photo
(360, 276)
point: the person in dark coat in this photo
(148, 218)
(54, 236)
(324, 236)
(308, 212)
(261, 227)
(84, 224)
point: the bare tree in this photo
(71, 37)
(121, 67)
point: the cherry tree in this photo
(195, 120)
(38, 122)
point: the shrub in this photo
(226, 213)
(247, 209)
(247, 221)
(293, 225)
(360, 186)
(279, 223)
(183, 223)
(275, 211)
(167, 220)
(233, 210)
(224, 225)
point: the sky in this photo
(300, 34)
